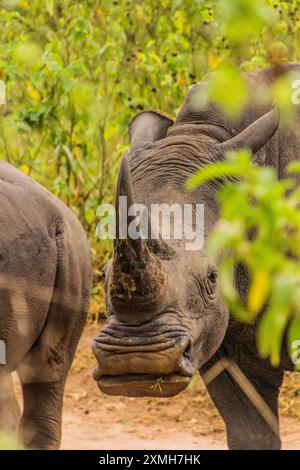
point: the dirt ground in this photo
(92, 420)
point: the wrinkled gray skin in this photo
(184, 326)
(45, 277)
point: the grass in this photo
(157, 385)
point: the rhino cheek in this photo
(210, 334)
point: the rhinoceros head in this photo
(165, 314)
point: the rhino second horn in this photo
(256, 135)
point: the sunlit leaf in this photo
(259, 291)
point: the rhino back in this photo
(31, 223)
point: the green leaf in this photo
(294, 341)
(212, 171)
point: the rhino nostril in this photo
(188, 351)
(184, 365)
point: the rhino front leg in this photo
(246, 429)
(9, 408)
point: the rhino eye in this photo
(212, 277)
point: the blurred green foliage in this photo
(259, 227)
(8, 441)
(77, 72)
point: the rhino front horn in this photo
(138, 278)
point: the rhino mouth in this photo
(143, 385)
(149, 365)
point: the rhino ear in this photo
(256, 135)
(148, 126)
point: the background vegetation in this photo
(77, 72)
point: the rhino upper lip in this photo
(106, 346)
